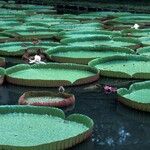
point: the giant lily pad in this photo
(18, 48)
(95, 15)
(145, 40)
(123, 66)
(99, 15)
(137, 96)
(77, 34)
(3, 37)
(76, 26)
(144, 51)
(82, 55)
(137, 32)
(13, 48)
(27, 27)
(42, 18)
(109, 25)
(102, 40)
(51, 74)
(46, 98)
(35, 8)
(9, 12)
(8, 24)
(52, 21)
(32, 32)
(132, 19)
(52, 129)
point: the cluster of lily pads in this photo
(95, 39)
(83, 47)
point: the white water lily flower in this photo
(37, 58)
(136, 26)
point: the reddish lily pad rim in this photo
(68, 99)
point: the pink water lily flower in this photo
(109, 89)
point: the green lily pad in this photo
(137, 96)
(18, 48)
(81, 34)
(145, 40)
(102, 40)
(82, 55)
(76, 26)
(3, 37)
(8, 24)
(52, 129)
(51, 74)
(115, 26)
(123, 66)
(42, 18)
(54, 22)
(37, 8)
(107, 13)
(144, 51)
(28, 27)
(137, 32)
(30, 34)
(26, 31)
(132, 19)
(13, 6)
(98, 15)
(13, 48)
(3, 2)
(9, 12)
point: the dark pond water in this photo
(116, 126)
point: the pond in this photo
(99, 35)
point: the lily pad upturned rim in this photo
(4, 52)
(119, 74)
(132, 31)
(68, 99)
(53, 53)
(145, 41)
(69, 40)
(65, 34)
(17, 34)
(20, 52)
(126, 101)
(131, 19)
(51, 83)
(63, 144)
(143, 50)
